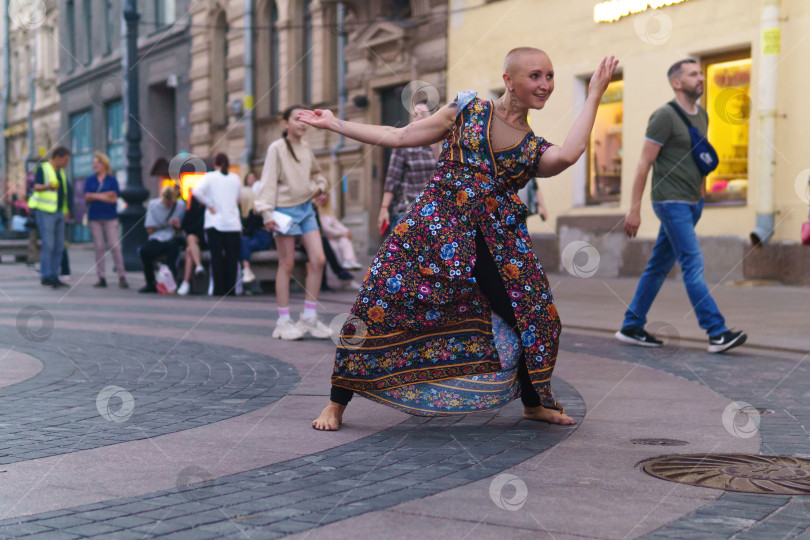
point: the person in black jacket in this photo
(193, 225)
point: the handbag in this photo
(702, 151)
(806, 233)
(165, 280)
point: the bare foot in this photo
(331, 417)
(552, 416)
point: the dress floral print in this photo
(420, 321)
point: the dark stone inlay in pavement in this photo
(659, 442)
(772, 475)
(98, 389)
(412, 460)
(746, 375)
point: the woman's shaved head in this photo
(515, 57)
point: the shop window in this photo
(81, 144)
(605, 148)
(115, 135)
(727, 102)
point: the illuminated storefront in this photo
(728, 103)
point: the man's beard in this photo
(694, 93)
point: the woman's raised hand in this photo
(319, 118)
(602, 76)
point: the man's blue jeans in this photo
(52, 232)
(676, 241)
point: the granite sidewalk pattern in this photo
(127, 416)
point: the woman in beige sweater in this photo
(291, 180)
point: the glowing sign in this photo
(613, 10)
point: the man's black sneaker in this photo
(148, 288)
(727, 340)
(56, 284)
(637, 336)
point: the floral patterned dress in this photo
(420, 334)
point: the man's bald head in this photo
(515, 57)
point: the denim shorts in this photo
(303, 216)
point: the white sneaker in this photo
(287, 330)
(198, 270)
(184, 288)
(313, 327)
(352, 266)
(248, 276)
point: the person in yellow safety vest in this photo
(49, 201)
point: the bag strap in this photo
(680, 113)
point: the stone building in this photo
(31, 107)
(295, 45)
(91, 83)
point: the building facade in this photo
(752, 54)
(91, 83)
(295, 44)
(31, 99)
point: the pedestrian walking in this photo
(291, 179)
(219, 192)
(49, 201)
(101, 193)
(677, 199)
(462, 252)
(409, 170)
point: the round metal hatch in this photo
(775, 475)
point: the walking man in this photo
(49, 201)
(677, 198)
(409, 170)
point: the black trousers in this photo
(153, 249)
(226, 251)
(489, 281)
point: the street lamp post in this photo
(134, 194)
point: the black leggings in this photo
(489, 281)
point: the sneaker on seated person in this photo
(184, 288)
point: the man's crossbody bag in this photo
(702, 150)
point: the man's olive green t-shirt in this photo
(676, 176)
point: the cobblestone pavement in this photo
(155, 386)
(119, 368)
(772, 383)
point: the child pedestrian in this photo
(291, 179)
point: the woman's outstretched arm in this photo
(419, 133)
(558, 158)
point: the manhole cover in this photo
(659, 442)
(778, 475)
